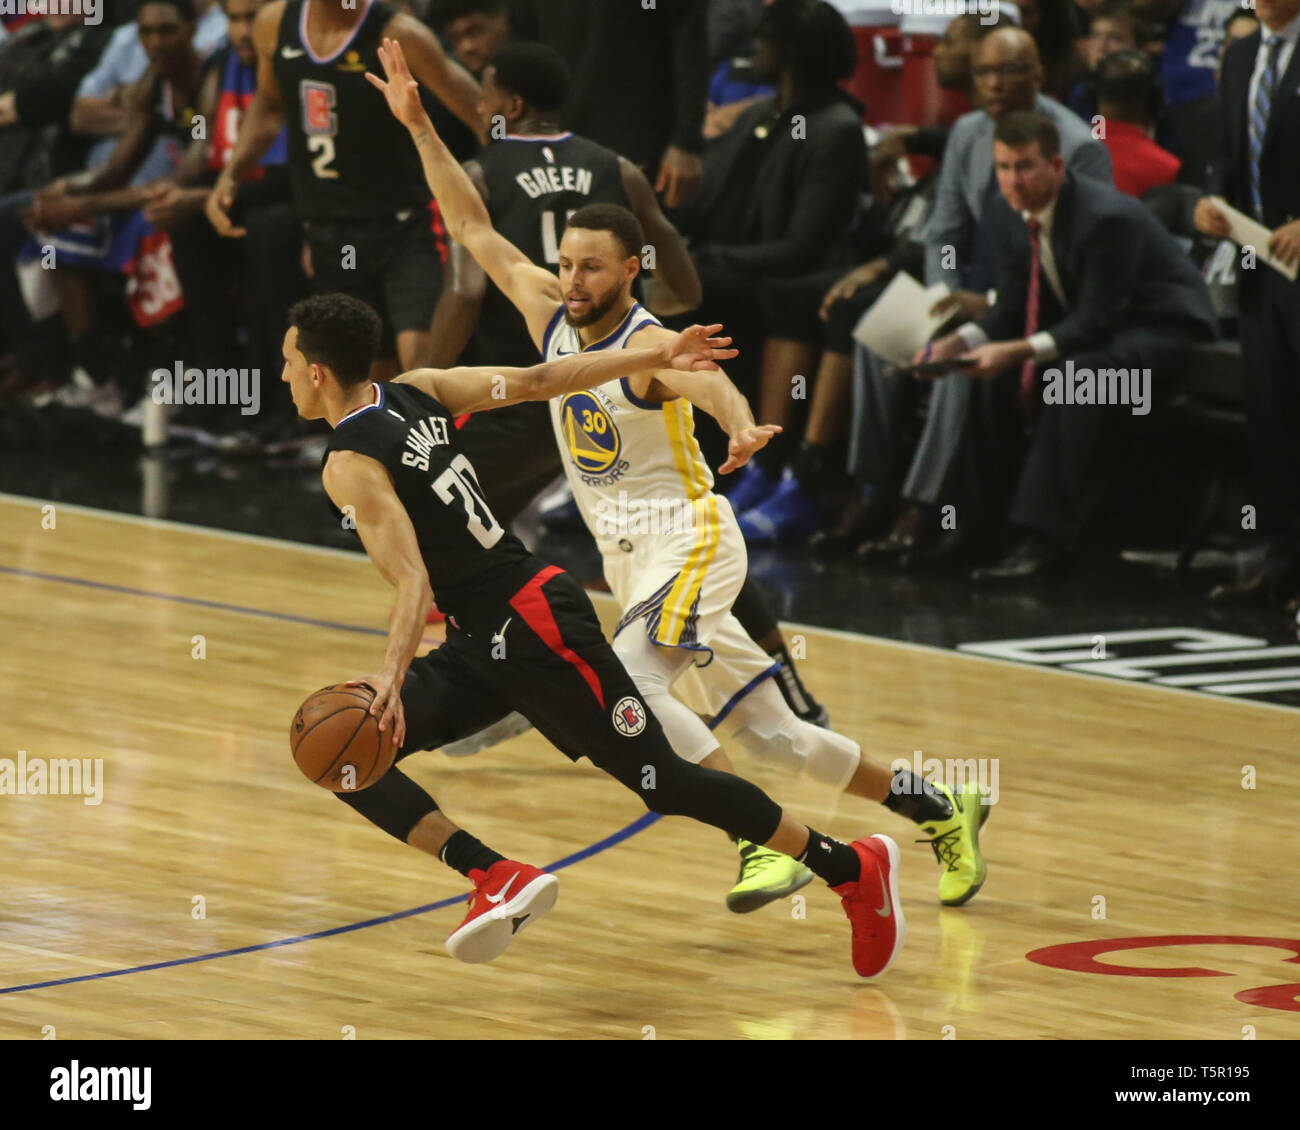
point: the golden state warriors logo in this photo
(589, 432)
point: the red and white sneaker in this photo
(507, 896)
(871, 902)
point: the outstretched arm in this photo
(534, 290)
(692, 351)
(711, 392)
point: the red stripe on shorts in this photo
(439, 230)
(531, 604)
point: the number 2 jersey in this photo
(474, 564)
(349, 158)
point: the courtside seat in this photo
(1209, 421)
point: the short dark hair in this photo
(338, 331)
(615, 219)
(1020, 127)
(1129, 82)
(184, 8)
(444, 11)
(814, 41)
(533, 71)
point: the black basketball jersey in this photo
(174, 109)
(534, 184)
(474, 564)
(349, 158)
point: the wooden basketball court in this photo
(215, 893)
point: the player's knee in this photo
(664, 786)
(828, 757)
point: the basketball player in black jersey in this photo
(520, 635)
(532, 176)
(365, 208)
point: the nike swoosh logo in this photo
(501, 635)
(884, 910)
(502, 893)
(290, 53)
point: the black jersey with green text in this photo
(349, 158)
(474, 564)
(534, 184)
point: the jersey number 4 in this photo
(459, 477)
(550, 241)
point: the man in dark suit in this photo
(1260, 93)
(1094, 299)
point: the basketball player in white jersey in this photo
(673, 553)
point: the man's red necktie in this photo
(1029, 402)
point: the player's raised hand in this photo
(744, 443)
(697, 348)
(401, 90)
(387, 703)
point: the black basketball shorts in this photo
(389, 263)
(548, 660)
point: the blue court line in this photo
(638, 825)
(618, 837)
(220, 606)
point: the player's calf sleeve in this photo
(672, 787)
(394, 803)
(767, 729)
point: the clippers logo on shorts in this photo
(318, 117)
(629, 717)
(589, 433)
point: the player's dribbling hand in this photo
(387, 703)
(401, 91)
(744, 443)
(696, 349)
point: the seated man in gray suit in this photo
(1094, 298)
(962, 249)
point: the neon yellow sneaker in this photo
(956, 844)
(765, 876)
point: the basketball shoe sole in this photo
(489, 934)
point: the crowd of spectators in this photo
(1067, 207)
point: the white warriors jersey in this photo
(635, 467)
(673, 554)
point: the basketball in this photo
(336, 741)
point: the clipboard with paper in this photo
(899, 322)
